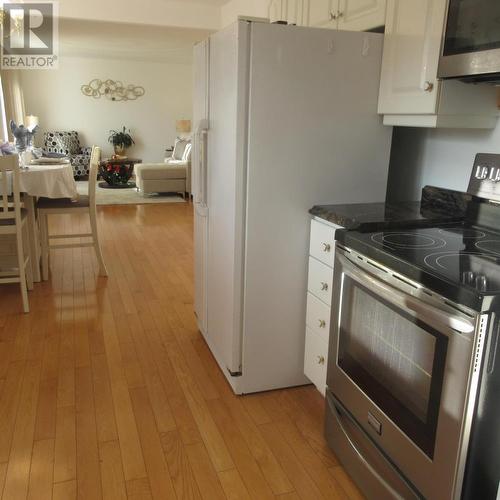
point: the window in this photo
(4, 131)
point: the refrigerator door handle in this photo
(204, 166)
(202, 140)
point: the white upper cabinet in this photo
(361, 15)
(297, 12)
(410, 93)
(412, 44)
(322, 13)
(353, 15)
(276, 10)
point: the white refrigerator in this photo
(285, 117)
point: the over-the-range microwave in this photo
(471, 45)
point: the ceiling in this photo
(129, 41)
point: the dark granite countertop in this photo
(437, 205)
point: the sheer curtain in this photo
(12, 101)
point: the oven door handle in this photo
(403, 300)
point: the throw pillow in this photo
(63, 142)
(187, 152)
(179, 147)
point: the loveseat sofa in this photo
(171, 176)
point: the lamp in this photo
(183, 127)
(30, 121)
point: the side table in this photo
(117, 172)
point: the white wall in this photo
(441, 157)
(55, 97)
(255, 8)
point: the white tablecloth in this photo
(49, 181)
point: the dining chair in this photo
(85, 204)
(15, 264)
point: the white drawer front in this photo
(322, 243)
(315, 360)
(318, 317)
(320, 280)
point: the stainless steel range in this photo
(411, 370)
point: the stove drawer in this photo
(318, 317)
(320, 280)
(375, 476)
(322, 242)
(315, 360)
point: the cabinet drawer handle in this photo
(322, 323)
(327, 247)
(428, 87)
(324, 286)
(321, 360)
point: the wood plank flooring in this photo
(107, 389)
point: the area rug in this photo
(128, 196)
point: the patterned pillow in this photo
(62, 142)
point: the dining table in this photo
(47, 181)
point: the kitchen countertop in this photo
(437, 205)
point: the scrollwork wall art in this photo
(113, 90)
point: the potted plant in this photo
(121, 140)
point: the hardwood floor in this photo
(107, 389)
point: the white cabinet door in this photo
(296, 11)
(274, 10)
(361, 15)
(278, 10)
(412, 43)
(292, 11)
(322, 13)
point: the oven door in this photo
(400, 366)
(472, 39)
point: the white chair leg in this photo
(22, 273)
(44, 236)
(97, 247)
(29, 275)
(29, 270)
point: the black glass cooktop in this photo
(460, 262)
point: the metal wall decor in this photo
(113, 90)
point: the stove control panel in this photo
(475, 280)
(485, 178)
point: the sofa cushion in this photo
(175, 163)
(157, 172)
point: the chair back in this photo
(95, 158)
(9, 169)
